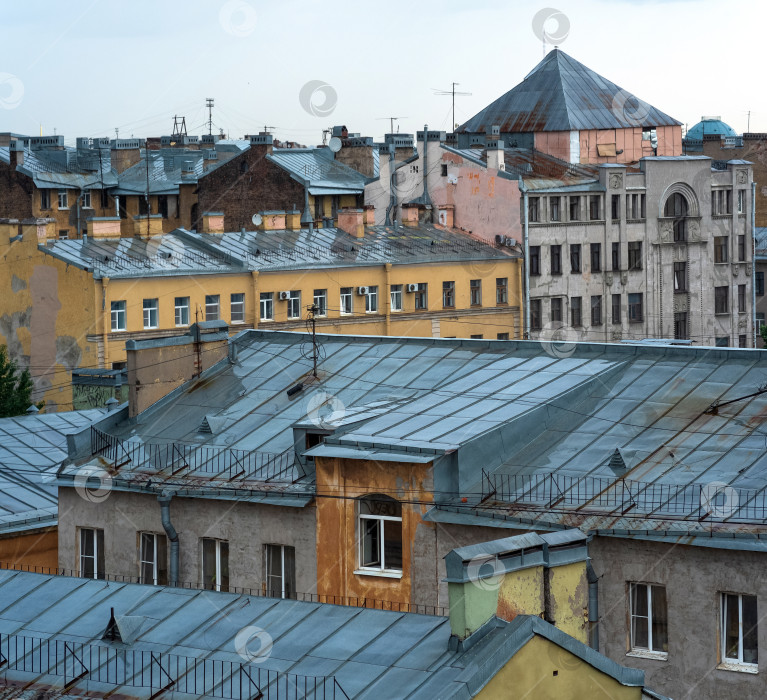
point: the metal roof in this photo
(561, 94)
(28, 446)
(760, 242)
(316, 168)
(282, 643)
(48, 173)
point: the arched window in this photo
(380, 534)
(678, 209)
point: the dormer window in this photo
(380, 535)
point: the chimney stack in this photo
(16, 153)
(352, 221)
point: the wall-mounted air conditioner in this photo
(412, 288)
(284, 296)
(362, 291)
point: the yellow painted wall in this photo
(569, 589)
(530, 675)
(30, 550)
(521, 593)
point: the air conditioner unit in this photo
(511, 242)
(284, 296)
(362, 291)
(412, 288)
(500, 239)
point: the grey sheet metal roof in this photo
(165, 168)
(29, 445)
(370, 653)
(316, 168)
(561, 94)
(48, 173)
(760, 242)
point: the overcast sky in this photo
(85, 67)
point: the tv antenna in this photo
(453, 93)
(179, 127)
(209, 105)
(391, 122)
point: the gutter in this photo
(164, 500)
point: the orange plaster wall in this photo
(31, 550)
(337, 552)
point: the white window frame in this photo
(118, 315)
(635, 649)
(154, 561)
(294, 305)
(218, 561)
(93, 531)
(380, 520)
(727, 661)
(475, 292)
(63, 199)
(321, 302)
(396, 297)
(151, 308)
(347, 301)
(266, 306)
(371, 300)
(422, 297)
(284, 593)
(87, 199)
(179, 309)
(237, 307)
(741, 201)
(210, 304)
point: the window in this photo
(118, 316)
(556, 260)
(212, 307)
(759, 323)
(151, 313)
(739, 629)
(182, 311)
(720, 249)
(741, 248)
(502, 336)
(63, 235)
(636, 312)
(153, 559)
(280, 571)
(575, 311)
(575, 257)
(760, 283)
(554, 208)
(635, 255)
(635, 207)
(594, 207)
(617, 309)
(536, 322)
(533, 209)
(676, 208)
(556, 310)
(616, 255)
(722, 342)
(421, 297)
(720, 300)
(741, 298)
(215, 564)
(501, 290)
(616, 207)
(649, 622)
(320, 302)
(396, 297)
(742, 341)
(596, 311)
(448, 294)
(443, 169)
(535, 260)
(741, 201)
(371, 300)
(347, 300)
(267, 306)
(87, 199)
(162, 205)
(721, 202)
(380, 534)
(63, 199)
(596, 257)
(475, 292)
(237, 308)
(476, 337)
(92, 553)
(294, 304)
(680, 277)
(574, 208)
(45, 199)
(680, 326)
(104, 199)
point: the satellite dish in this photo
(257, 219)
(335, 144)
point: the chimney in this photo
(541, 575)
(370, 214)
(158, 366)
(16, 153)
(445, 215)
(104, 227)
(495, 160)
(410, 215)
(272, 220)
(352, 221)
(293, 219)
(124, 153)
(213, 222)
(262, 143)
(140, 227)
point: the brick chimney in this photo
(495, 156)
(16, 153)
(272, 220)
(370, 214)
(410, 215)
(124, 153)
(104, 227)
(445, 215)
(213, 222)
(352, 221)
(293, 220)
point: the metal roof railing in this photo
(712, 502)
(156, 671)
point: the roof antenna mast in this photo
(209, 105)
(452, 92)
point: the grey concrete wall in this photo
(693, 577)
(247, 527)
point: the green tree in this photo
(763, 332)
(15, 387)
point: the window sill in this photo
(265, 320)
(182, 325)
(721, 262)
(378, 572)
(739, 668)
(151, 328)
(237, 323)
(647, 654)
(118, 330)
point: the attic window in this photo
(648, 134)
(607, 149)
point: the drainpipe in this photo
(164, 499)
(392, 192)
(593, 580)
(753, 262)
(526, 261)
(426, 199)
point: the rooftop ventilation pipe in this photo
(164, 501)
